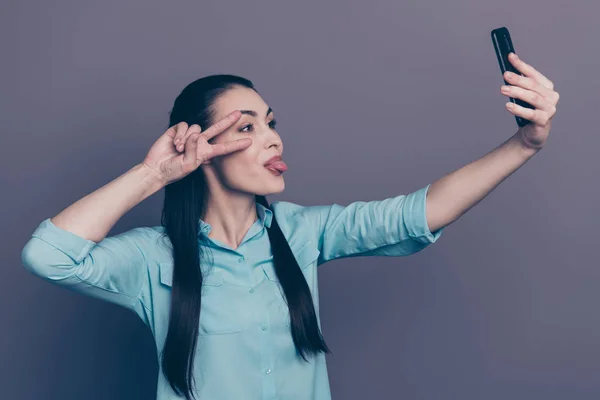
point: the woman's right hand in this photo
(167, 160)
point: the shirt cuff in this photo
(74, 246)
(414, 215)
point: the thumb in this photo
(166, 139)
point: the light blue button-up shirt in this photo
(245, 349)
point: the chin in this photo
(278, 191)
(272, 189)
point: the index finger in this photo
(222, 125)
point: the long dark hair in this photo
(184, 206)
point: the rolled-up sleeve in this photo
(112, 269)
(396, 226)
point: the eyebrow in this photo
(254, 113)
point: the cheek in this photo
(242, 164)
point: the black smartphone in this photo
(503, 46)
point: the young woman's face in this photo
(244, 170)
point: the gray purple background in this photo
(373, 99)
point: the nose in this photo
(274, 140)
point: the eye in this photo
(272, 125)
(244, 127)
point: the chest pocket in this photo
(219, 314)
(306, 257)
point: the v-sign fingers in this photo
(214, 130)
(220, 149)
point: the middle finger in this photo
(531, 97)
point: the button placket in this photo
(267, 358)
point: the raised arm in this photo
(454, 194)
(395, 226)
(94, 215)
(457, 192)
(72, 249)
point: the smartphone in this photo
(503, 46)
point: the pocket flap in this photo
(214, 278)
(166, 273)
(305, 257)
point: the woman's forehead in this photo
(239, 99)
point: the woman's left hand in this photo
(537, 90)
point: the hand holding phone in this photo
(503, 46)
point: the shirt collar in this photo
(265, 216)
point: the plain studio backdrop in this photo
(373, 99)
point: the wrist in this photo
(154, 178)
(520, 136)
(527, 148)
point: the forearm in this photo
(92, 216)
(451, 196)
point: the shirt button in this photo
(263, 327)
(240, 259)
(268, 371)
(251, 290)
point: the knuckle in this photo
(192, 136)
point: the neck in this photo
(230, 216)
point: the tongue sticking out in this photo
(278, 165)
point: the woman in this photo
(228, 283)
